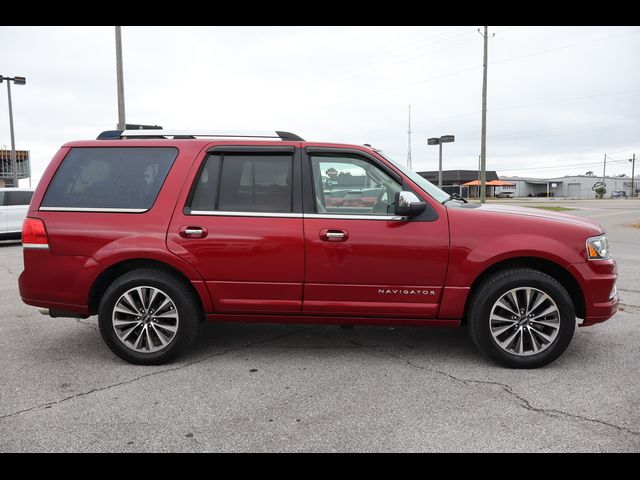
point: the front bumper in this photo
(597, 280)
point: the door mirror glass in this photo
(408, 204)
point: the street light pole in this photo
(440, 141)
(14, 161)
(633, 173)
(440, 166)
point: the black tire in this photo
(492, 290)
(188, 318)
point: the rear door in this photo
(361, 260)
(241, 228)
(17, 205)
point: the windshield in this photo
(422, 182)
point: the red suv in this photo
(157, 231)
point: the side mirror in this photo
(408, 204)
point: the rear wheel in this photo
(148, 316)
(521, 318)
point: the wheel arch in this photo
(108, 275)
(554, 270)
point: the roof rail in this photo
(116, 134)
(181, 134)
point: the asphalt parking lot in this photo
(321, 388)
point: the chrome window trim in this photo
(89, 209)
(344, 216)
(38, 246)
(225, 213)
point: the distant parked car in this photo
(505, 195)
(14, 204)
(619, 194)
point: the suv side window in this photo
(352, 185)
(17, 198)
(245, 182)
(109, 178)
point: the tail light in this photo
(34, 234)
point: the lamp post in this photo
(14, 163)
(633, 173)
(440, 141)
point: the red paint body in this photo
(287, 270)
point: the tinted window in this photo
(206, 189)
(245, 183)
(17, 198)
(110, 177)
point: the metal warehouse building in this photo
(579, 186)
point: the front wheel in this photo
(521, 318)
(148, 316)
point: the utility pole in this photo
(483, 144)
(121, 116)
(409, 133)
(633, 173)
(604, 169)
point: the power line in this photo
(563, 130)
(542, 52)
(543, 102)
(551, 167)
(368, 69)
(358, 66)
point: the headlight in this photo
(598, 248)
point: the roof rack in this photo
(182, 134)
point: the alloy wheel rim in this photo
(524, 321)
(145, 319)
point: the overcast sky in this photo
(559, 98)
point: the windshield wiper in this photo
(455, 196)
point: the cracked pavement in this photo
(321, 388)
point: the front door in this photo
(242, 229)
(360, 259)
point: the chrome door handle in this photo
(193, 231)
(333, 235)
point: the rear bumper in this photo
(59, 282)
(597, 280)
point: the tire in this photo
(541, 330)
(130, 328)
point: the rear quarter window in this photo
(109, 178)
(17, 198)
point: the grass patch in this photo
(555, 209)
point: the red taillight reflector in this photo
(34, 234)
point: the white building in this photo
(577, 186)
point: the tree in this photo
(600, 191)
(590, 173)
